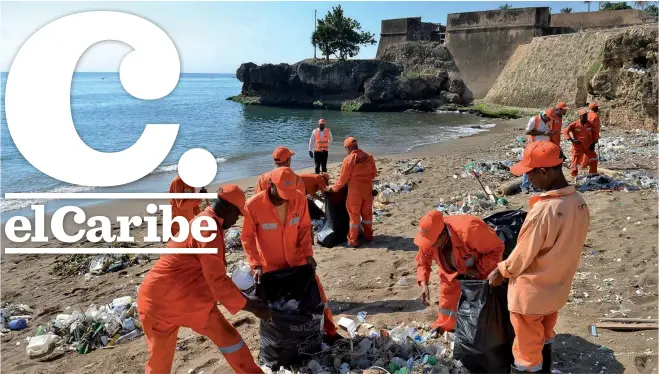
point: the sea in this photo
(241, 138)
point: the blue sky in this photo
(216, 37)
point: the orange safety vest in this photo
(322, 144)
(535, 127)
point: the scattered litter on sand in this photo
(394, 186)
(232, 240)
(409, 166)
(71, 265)
(471, 203)
(629, 181)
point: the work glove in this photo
(256, 274)
(257, 308)
(310, 154)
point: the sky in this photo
(216, 37)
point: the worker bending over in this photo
(358, 171)
(186, 208)
(462, 246)
(282, 158)
(541, 268)
(276, 233)
(320, 140)
(314, 183)
(183, 290)
(538, 129)
(578, 134)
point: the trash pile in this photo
(232, 241)
(629, 181)
(14, 316)
(83, 332)
(284, 305)
(409, 166)
(401, 350)
(96, 264)
(393, 186)
(472, 203)
(497, 170)
(640, 143)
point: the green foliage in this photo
(245, 100)
(409, 75)
(497, 111)
(339, 35)
(652, 11)
(595, 68)
(506, 6)
(607, 5)
(351, 106)
(566, 10)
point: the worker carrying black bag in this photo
(483, 334)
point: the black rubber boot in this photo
(546, 359)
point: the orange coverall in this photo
(475, 245)
(581, 154)
(541, 269)
(556, 127)
(358, 171)
(273, 245)
(188, 208)
(264, 181)
(594, 125)
(183, 290)
(313, 183)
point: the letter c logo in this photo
(38, 100)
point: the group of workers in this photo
(583, 133)
(182, 290)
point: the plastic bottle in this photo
(121, 303)
(17, 324)
(130, 336)
(42, 345)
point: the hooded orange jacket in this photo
(358, 170)
(187, 208)
(181, 289)
(270, 243)
(473, 241)
(264, 181)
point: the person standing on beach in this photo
(541, 268)
(186, 208)
(282, 157)
(463, 246)
(358, 171)
(320, 140)
(557, 124)
(538, 129)
(276, 233)
(594, 127)
(183, 290)
(578, 133)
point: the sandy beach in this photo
(617, 276)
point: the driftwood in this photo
(412, 167)
(618, 326)
(511, 188)
(629, 320)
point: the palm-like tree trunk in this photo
(587, 4)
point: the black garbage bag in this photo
(314, 211)
(289, 335)
(483, 333)
(507, 225)
(337, 221)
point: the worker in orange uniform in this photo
(183, 290)
(187, 208)
(358, 171)
(462, 246)
(282, 158)
(557, 123)
(320, 140)
(539, 128)
(314, 183)
(542, 265)
(276, 233)
(577, 133)
(594, 127)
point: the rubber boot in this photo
(546, 358)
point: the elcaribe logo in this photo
(38, 112)
(38, 102)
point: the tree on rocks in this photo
(615, 6)
(339, 35)
(566, 10)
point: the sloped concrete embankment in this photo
(616, 68)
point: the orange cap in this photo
(349, 140)
(582, 111)
(321, 121)
(232, 194)
(538, 155)
(430, 227)
(562, 105)
(593, 106)
(285, 180)
(282, 154)
(551, 113)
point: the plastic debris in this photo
(361, 316)
(394, 186)
(285, 305)
(232, 240)
(241, 275)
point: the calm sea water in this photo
(241, 138)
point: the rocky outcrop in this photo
(626, 83)
(363, 85)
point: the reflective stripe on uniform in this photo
(269, 226)
(447, 312)
(533, 369)
(294, 221)
(365, 222)
(232, 348)
(594, 159)
(354, 226)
